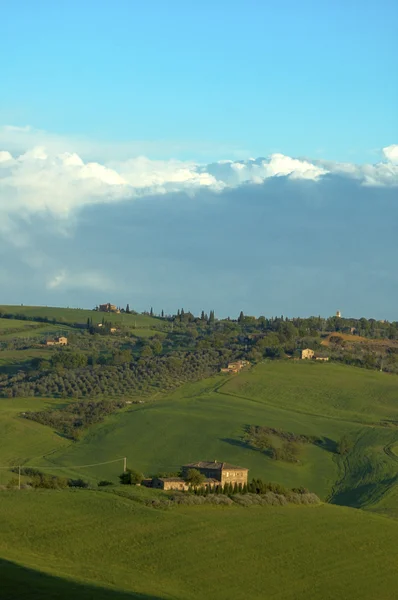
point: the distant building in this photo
(235, 367)
(215, 473)
(338, 314)
(222, 472)
(108, 308)
(113, 329)
(307, 353)
(58, 341)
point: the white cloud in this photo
(40, 180)
(391, 153)
(91, 280)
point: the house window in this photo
(227, 474)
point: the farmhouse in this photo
(307, 353)
(220, 471)
(58, 341)
(215, 473)
(235, 367)
(108, 308)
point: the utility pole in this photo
(19, 477)
(124, 464)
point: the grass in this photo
(195, 552)
(13, 360)
(60, 541)
(21, 438)
(77, 315)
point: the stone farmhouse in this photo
(235, 367)
(308, 354)
(216, 473)
(222, 472)
(108, 308)
(58, 341)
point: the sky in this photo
(214, 155)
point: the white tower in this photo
(338, 314)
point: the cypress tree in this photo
(202, 316)
(162, 313)
(244, 488)
(241, 317)
(151, 312)
(226, 488)
(128, 309)
(235, 489)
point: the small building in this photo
(169, 483)
(107, 307)
(322, 358)
(235, 367)
(338, 314)
(113, 329)
(58, 341)
(307, 353)
(220, 472)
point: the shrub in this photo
(104, 483)
(79, 483)
(131, 477)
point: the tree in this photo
(131, 477)
(151, 312)
(162, 313)
(128, 309)
(194, 477)
(241, 317)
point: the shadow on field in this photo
(363, 494)
(326, 444)
(17, 583)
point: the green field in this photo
(84, 537)
(77, 315)
(206, 420)
(326, 551)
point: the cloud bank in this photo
(268, 235)
(39, 181)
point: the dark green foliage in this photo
(131, 477)
(194, 477)
(75, 416)
(105, 482)
(79, 483)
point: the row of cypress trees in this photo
(256, 486)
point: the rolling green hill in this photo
(83, 537)
(77, 315)
(207, 420)
(60, 540)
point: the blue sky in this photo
(208, 155)
(304, 78)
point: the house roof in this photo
(214, 465)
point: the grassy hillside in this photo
(207, 420)
(196, 552)
(21, 438)
(76, 315)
